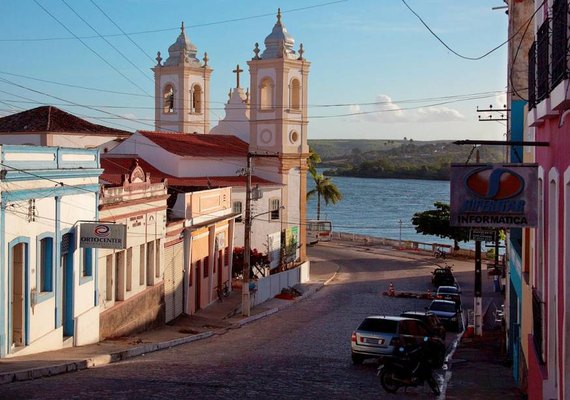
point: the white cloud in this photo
(384, 110)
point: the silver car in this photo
(379, 336)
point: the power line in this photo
(453, 51)
(272, 14)
(90, 48)
(107, 41)
(122, 31)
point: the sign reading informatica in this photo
(103, 236)
(494, 195)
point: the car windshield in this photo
(440, 306)
(379, 325)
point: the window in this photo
(168, 99)
(237, 207)
(129, 269)
(157, 262)
(206, 266)
(274, 208)
(295, 99)
(87, 270)
(142, 265)
(266, 94)
(46, 264)
(196, 99)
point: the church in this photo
(181, 192)
(266, 124)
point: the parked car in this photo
(431, 320)
(378, 336)
(442, 276)
(449, 293)
(448, 312)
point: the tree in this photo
(326, 189)
(436, 222)
(312, 161)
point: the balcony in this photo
(548, 68)
(203, 207)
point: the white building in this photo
(48, 284)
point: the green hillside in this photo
(402, 159)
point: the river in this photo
(381, 207)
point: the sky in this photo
(376, 71)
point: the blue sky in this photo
(361, 52)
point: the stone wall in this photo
(139, 313)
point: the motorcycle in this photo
(410, 366)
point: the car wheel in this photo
(357, 359)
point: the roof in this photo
(198, 145)
(115, 167)
(52, 119)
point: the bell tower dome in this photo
(182, 89)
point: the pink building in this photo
(547, 248)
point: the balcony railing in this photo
(537, 323)
(532, 76)
(559, 41)
(542, 61)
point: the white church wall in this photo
(80, 140)
(213, 166)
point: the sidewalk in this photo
(216, 319)
(477, 368)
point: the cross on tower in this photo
(237, 72)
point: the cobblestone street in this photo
(300, 352)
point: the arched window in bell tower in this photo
(266, 94)
(196, 99)
(168, 99)
(295, 95)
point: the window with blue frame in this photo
(87, 270)
(45, 263)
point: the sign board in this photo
(494, 195)
(103, 236)
(483, 235)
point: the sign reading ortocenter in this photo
(494, 195)
(103, 236)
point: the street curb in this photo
(96, 361)
(105, 359)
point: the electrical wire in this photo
(145, 74)
(90, 48)
(272, 14)
(122, 31)
(453, 51)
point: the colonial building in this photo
(48, 284)
(547, 248)
(50, 126)
(131, 279)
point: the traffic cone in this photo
(391, 291)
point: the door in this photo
(197, 285)
(67, 284)
(18, 301)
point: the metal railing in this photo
(559, 41)
(543, 61)
(532, 76)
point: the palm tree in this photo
(312, 161)
(326, 189)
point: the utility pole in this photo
(478, 298)
(245, 294)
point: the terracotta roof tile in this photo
(52, 119)
(115, 167)
(198, 145)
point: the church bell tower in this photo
(182, 89)
(278, 122)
